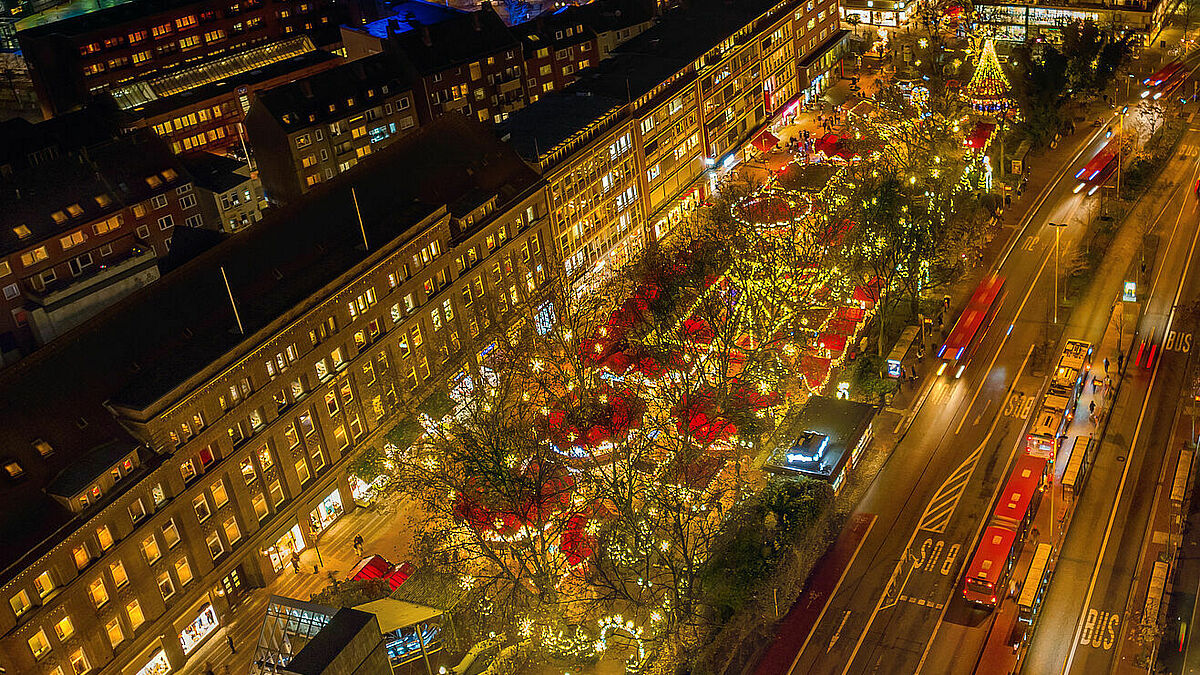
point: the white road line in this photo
(1112, 516)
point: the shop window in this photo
(119, 577)
(98, 592)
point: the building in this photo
(316, 128)
(350, 644)
(230, 194)
(556, 49)
(613, 21)
(76, 57)
(824, 440)
(87, 211)
(625, 148)
(200, 108)
(196, 446)
(1021, 21)
(466, 62)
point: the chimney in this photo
(393, 27)
(425, 36)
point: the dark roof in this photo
(306, 101)
(136, 352)
(542, 30)
(323, 648)
(609, 15)
(458, 40)
(80, 474)
(215, 173)
(535, 129)
(115, 170)
(408, 15)
(687, 33)
(841, 421)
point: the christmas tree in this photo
(987, 92)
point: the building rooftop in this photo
(818, 441)
(136, 353)
(409, 15)
(323, 648)
(536, 129)
(456, 40)
(364, 82)
(215, 173)
(85, 17)
(66, 11)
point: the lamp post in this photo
(1057, 229)
(1120, 148)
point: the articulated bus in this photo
(1057, 409)
(1097, 171)
(1004, 536)
(968, 331)
(1033, 591)
(1156, 83)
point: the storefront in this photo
(329, 510)
(204, 623)
(817, 67)
(281, 553)
(157, 665)
(687, 203)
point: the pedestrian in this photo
(1108, 384)
(358, 543)
(914, 373)
(1120, 361)
(1106, 365)
(1092, 407)
(1095, 383)
(296, 562)
(229, 639)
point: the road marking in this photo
(951, 556)
(1178, 342)
(1030, 242)
(1019, 405)
(937, 513)
(1100, 630)
(837, 633)
(1112, 516)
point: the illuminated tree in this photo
(988, 90)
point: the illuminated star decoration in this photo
(987, 92)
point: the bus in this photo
(1079, 464)
(1048, 426)
(1156, 83)
(1033, 591)
(1057, 410)
(1072, 371)
(967, 332)
(1097, 171)
(1004, 536)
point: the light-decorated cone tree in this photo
(988, 91)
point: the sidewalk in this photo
(385, 528)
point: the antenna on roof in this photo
(232, 302)
(358, 212)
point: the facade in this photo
(556, 48)
(1021, 21)
(309, 131)
(196, 447)
(74, 58)
(86, 213)
(230, 194)
(625, 150)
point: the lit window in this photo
(44, 584)
(134, 610)
(120, 578)
(64, 628)
(98, 592)
(39, 645)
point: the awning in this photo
(396, 614)
(766, 141)
(980, 135)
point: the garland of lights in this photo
(987, 92)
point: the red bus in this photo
(1160, 79)
(1004, 536)
(1096, 172)
(966, 334)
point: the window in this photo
(183, 570)
(220, 496)
(115, 635)
(73, 239)
(82, 556)
(339, 435)
(150, 549)
(13, 469)
(232, 533)
(260, 506)
(165, 585)
(44, 584)
(264, 458)
(318, 458)
(98, 592)
(79, 662)
(11, 291)
(248, 472)
(64, 629)
(119, 577)
(302, 470)
(20, 602)
(277, 495)
(137, 510)
(170, 533)
(200, 503)
(331, 403)
(187, 201)
(30, 258)
(215, 547)
(166, 222)
(39, 645)
(136, 618)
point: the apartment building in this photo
(1021, 21)
(625, 149)
(197, 446)
(76, 57)
(556, 48)
(465, 62)
(230, 194)
(614, 21)
(86, 213)
(311, 130)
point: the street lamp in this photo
(1057, 228)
